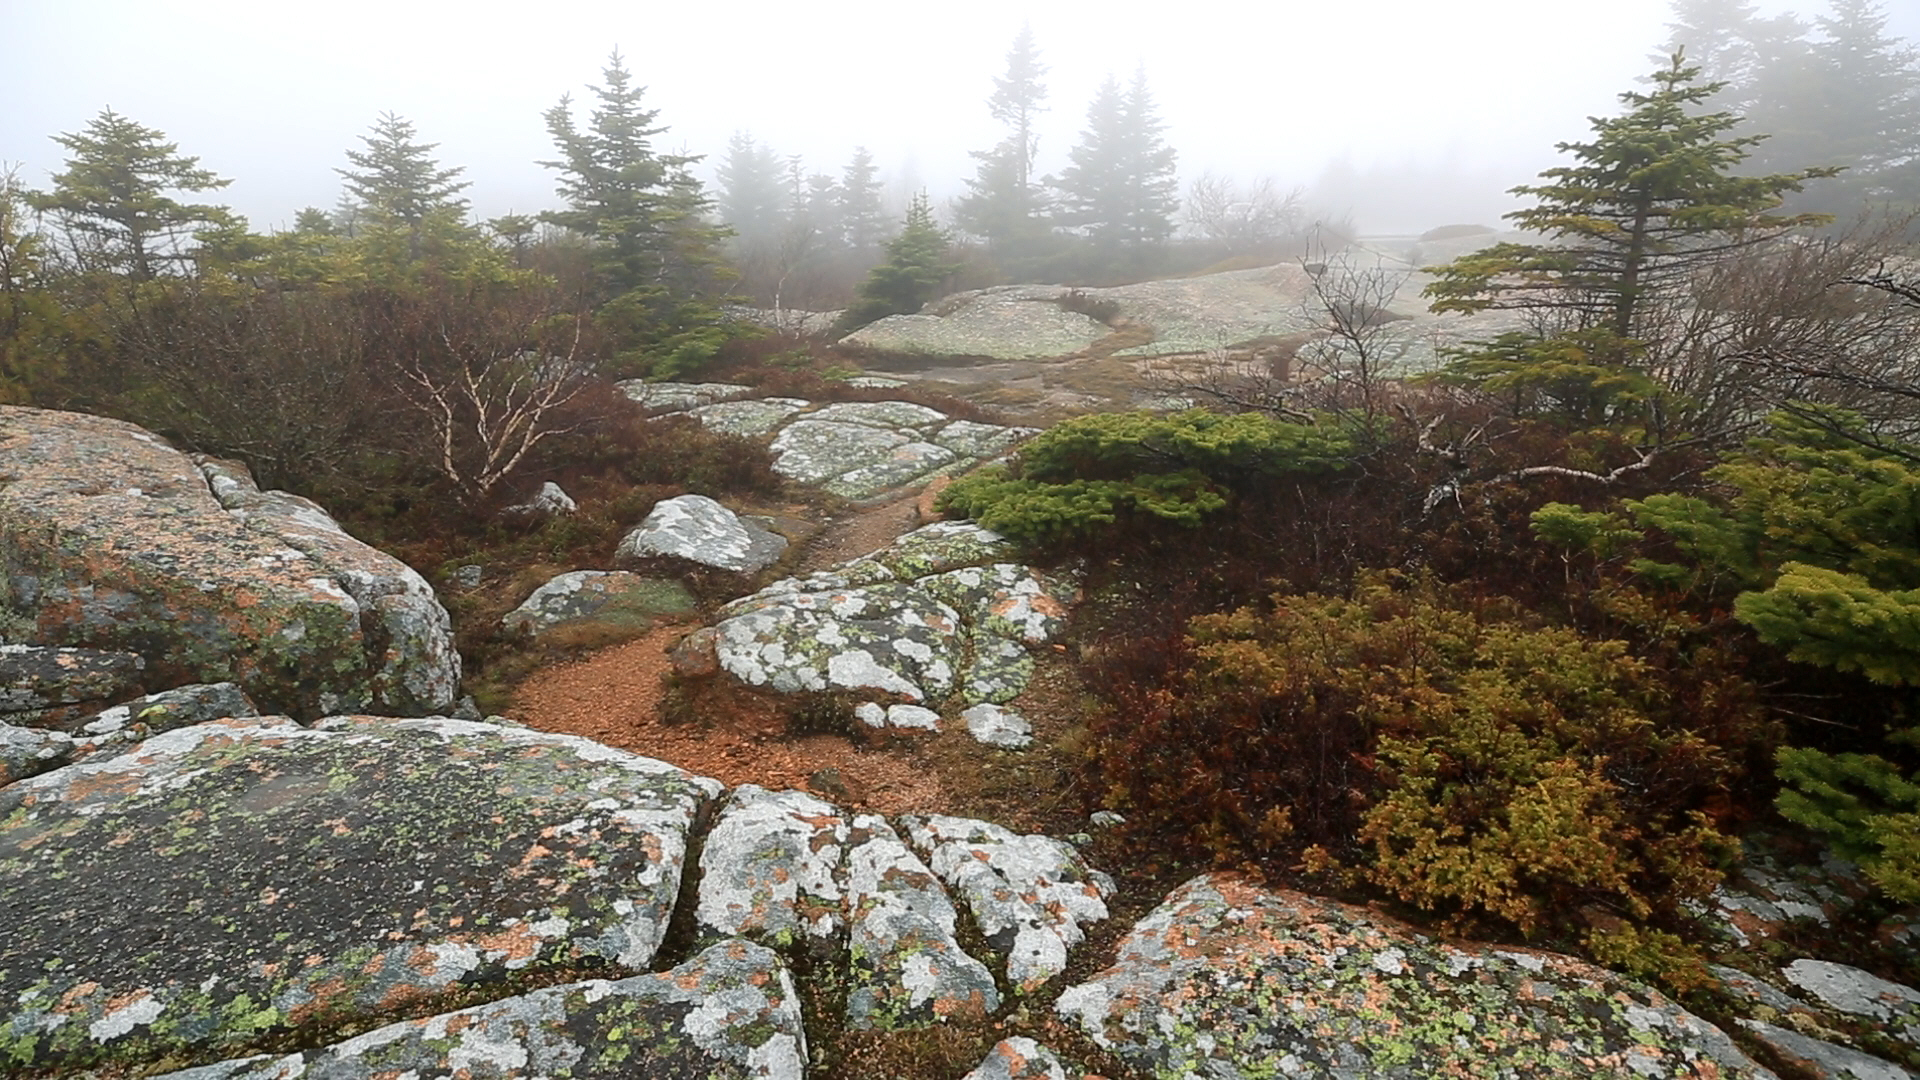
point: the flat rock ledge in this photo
(729, 1013)
(933, 615)
(228, 879)
(859, 450)
(1226, 978)
(111, 539)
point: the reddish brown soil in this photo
(614, 696)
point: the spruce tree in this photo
(402, 191)
(113, 197)
(752, 197)
(1003, 205)
(1652, 199)
(918, 262)
(1120, 187)
(656, 257)
(859, 206)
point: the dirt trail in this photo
(613, 696)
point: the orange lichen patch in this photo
(324, 995)
(514, 943)
(72, 998)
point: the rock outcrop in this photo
(730, 1012)
(111, 539)
(1226, 978)
(859, 450)
(224, 879)
(933, 615)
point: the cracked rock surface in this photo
(858, 450)
(232, 877)
(729, 1013)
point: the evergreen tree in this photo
(403, 193)
(752, 199)
(1120, 186)
(655, 256)
(112, 198)
(822, 207)
(918, 262)
(859, 203)
(1650, 200)
(1003, 205)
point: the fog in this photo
(1465, 98)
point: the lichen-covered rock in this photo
(756, 417)
(550, 501)
(887, 637)
(770, 870)
(995, 725)
(914, 620)
(230, 878)
(1029, 895)
(909, 717)
(861, 450)
(1018, 1058)
(1766, 894)
(1226, 978)
(905, 967)
(881, 414)
(1009, 322)
(616, 597)
(113, 731)
(407, 636)
(1894, 1009)
(1821, 1060)
(730, 1013)
(698, 529)
(678, 396)
(51, 687)
(111, 539)
(26, 751)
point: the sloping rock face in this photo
(111, 539)
(930, 616)
(729, 1013)
(52, 687)
(227, 879)
(858, 450)
(698, 529)
(1226, 978)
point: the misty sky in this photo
(270, 94)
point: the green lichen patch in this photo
(1227, 978)
(234, 878)
(729, 1013)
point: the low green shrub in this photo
(1078, 479)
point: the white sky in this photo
(271, 92)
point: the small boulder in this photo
(696, 655)
(1018, 1058)
(112, 731)
(913, 717)
(26, 751)
(996, 725)
(549, 502)
(613, 597)
(678, 396)
(700, 530)
(1822, 1060)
